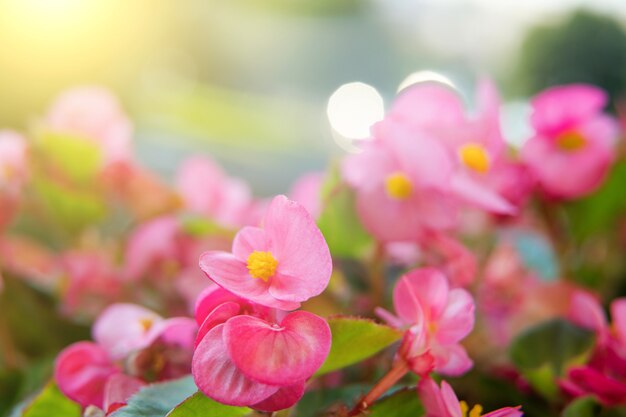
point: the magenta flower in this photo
(250, 355)
(474, 144)
(403, 184)
(94, 114)
(571, 135)
(436, 319)
(443, 402)
(81, 372)
(206, 189)
(280, 265)
(307, 191)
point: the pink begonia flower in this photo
(207, 190)
(13, 173)
(307, 191)
(403, 184)
(94, 114)
(443, 402)
(122, 329)
(280, 265)
(436, 319)
(81, 372)
(474, 144)
(91, 283)
(573, 136)
(250, 355)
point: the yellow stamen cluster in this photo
(146, 323)
(475, 157)
(570, 141)
(262, 265)
(476, 411)
(398, 186)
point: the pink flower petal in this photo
(432, 399)
(618, 314)
(120, 329)
(278, 355)
(285, 397)
(219, 315)
(450, 400)
(211, 298)
(406, 302)
(457, 320)
(431, 288)
(587, 312)
(299, 247)
(81, 371)
(175, 331)
(480, 195)
(218, 377)
(505, 412)
(248, 240)
(118, 389)
(451, 360)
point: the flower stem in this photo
(397, 371)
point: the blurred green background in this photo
(248, 81)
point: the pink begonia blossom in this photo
(124, 328)
(81, 372)
(402, 182)
(571, 136)
(13, 173)
(206, 189)
(250, 355)
(436, 319)
(443, 402)
(93, 113)
(118, 389)
(280, 265)
(474, 144)
(307, 191)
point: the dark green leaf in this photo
(582, 407)
(355, 339)
(157, 400)
(403, 403)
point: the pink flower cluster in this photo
(250, 350)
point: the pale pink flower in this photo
(474, 144)
(13, 162)
(443, 402)
(307, 191)
(93, 113)
(280, 265)
(250, 355)
(572, 136)
(206, 189)
(81, 372)
(118, 389)
(402, 182)
(436, 319)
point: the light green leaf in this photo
(51, 403)
(78, 158)
(403, 403)
(199, 405)
(355, 339)
(157, 400)
(582, 407)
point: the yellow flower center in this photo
(398, 186)
(262, 265)
(146, 323)
(570, 141)
(475, 157)
(475, 412)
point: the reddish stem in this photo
(399, 369)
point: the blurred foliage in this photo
(50, 402)
(586, 47)
(199, 405)
(157, 400)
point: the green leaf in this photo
(78, 158)
(157, 400)
(355, 339)
(544, 352)
(403, 403)
(341, 227)
(51, 403)
(316, 402)
(582, 407)
(199, 405)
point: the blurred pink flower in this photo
(94, 114)
(250, 355)
(571, 136)
(81, 372)
(443, 402)
(474, 144)
(280, 265)
(206, 189)
(402, 182)
(118, 389)
(307, 191)
(436, 319)
(13, 174)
